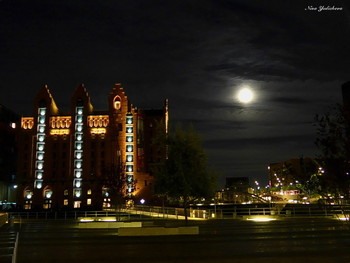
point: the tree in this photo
(333, 140)
(183, 174)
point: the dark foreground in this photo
(292, 240)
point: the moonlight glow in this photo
(245, 95)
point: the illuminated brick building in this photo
(74, 160)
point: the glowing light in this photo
(77, 174)
(41, 120)
(29, 196)
(40, 147)
(142, 201)
(78, 184)
(59, 131)
(128, 120)
(261, 219)
(39, 185)
(245, 95)
(78, 165)
(98, 131)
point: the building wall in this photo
(82, 159)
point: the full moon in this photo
(245, 95)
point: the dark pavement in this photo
(291, 240)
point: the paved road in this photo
(292, 240)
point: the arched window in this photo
(117, 103)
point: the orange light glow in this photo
(27, 123)
(99, 121)
(60, 122)
(59, 131)
(98, 131)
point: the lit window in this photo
(39, 175)
(128, 120)
(65, 202)
(129, 158)
(129, 138)
(129, 168)
(77, 183)
(40, 156)
(88, 201)
(129, 178)
(40, 165)
(78, 164)
(48, 194)
(77, 193)
(40, 147)
(129, 130)
(78, 146)
(89, 191)
(77, 174)
(65, 192)
(78, 155)
(117, 103)
(129, 148)
(39, 185)
(77, 204)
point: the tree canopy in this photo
(333, 142)
(184, 173)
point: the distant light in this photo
(142, 201)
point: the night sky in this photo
(197, 53)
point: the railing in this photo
(211, 211)
(222, 212)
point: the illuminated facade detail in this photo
(117, 103)
(59, 131)
(100, 121)
(129, 154)
(98, 131)
(78, 151)
(60, 122)
(40, 148)
(27, 123)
